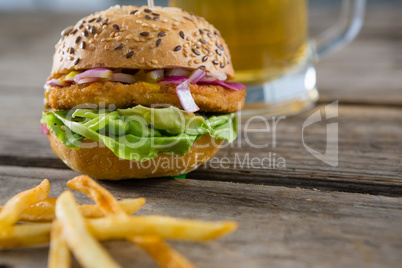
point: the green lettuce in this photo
(139, 133)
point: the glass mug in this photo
(270, 48)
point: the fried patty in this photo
(209, 98)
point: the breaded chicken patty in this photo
(210, 98)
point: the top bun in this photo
(139, 38)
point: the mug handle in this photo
(343, 32)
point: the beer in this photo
(266, 38)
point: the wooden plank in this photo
(370, 148)
(278, 227)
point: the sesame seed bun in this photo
(101, 163)
(139, 38)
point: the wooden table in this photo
(308, 214)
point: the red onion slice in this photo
(178, 72)
(56, 83)
(124, 78)
(196, 76)
(44, 129)
(88, 80)
(99, 73)
(185, 97)
(173, 80)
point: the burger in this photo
(137, 92)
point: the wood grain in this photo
(278, 227)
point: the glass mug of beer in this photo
(270, 48)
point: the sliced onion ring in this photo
(178, 72)
(101, 73)
(56, 83)
(230, 85)
(196, 76)
(185, 97)
(124, 78)
(88, 80)
(44, 129)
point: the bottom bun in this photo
(100, 162)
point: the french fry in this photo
(166, 227)
(163, 255)
(100, 195)
(17, 204)
(44, 210)
(25, 235)
(84, 246)
(161, 252)
(59, 254)
(116, 228)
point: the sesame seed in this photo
(177, 48)
(83, 45)
(138, 21)
(158, 42)
(195, 51)
(129, 36)
(142, 60)
(147, 10)
(155, 14)
(91, 41)
(205, 58)
(73, 31)
(129, 54)
(77, 60)
(215, 62)
(187, 18)
(220, 47)
(104, 27)
(119, 38)
(71, 50)
(210, 35)
(156, 18)
(116, 27)
(133, 12)
(77, 39)
(165, 20)
(182, 35)
(92, 20)
(201, 32)
(148, 17)
(197, 61)
(145, 25)
(203, 41)
(155, 62)
(107, 46)
(98, 19)
(71, 58)
(118, 46)
(92, 30)
(88, 26)
(176, 23)
(202, 67)
(96, 35)
(136, 39)
(144, 33)
(105, 22)
(161, 34)
(85, 33)
(218, 52)
(222, 65)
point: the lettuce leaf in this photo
(139, 133)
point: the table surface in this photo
(307, 214)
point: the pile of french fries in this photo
(77, 229)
